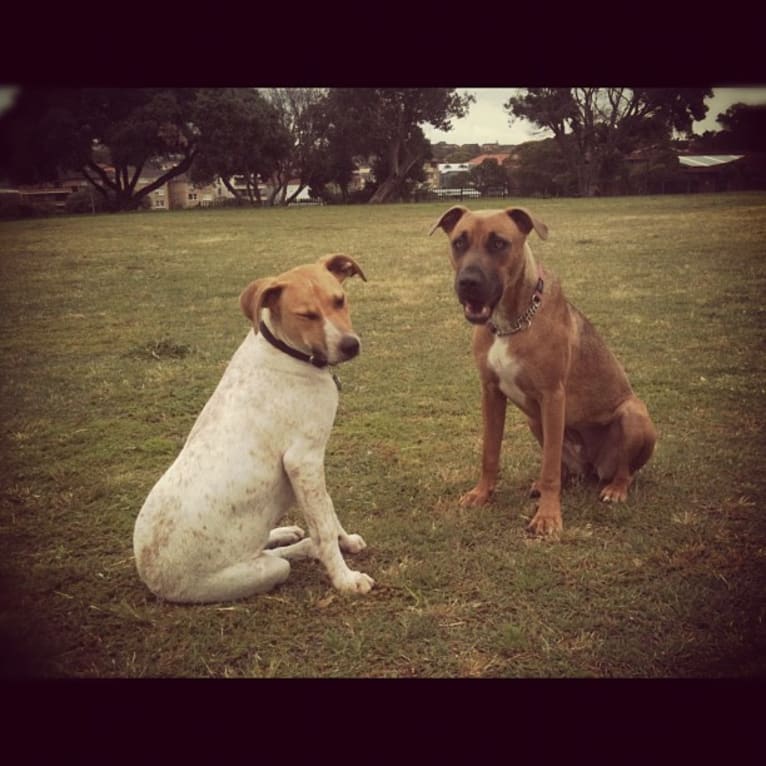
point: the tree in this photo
(442, 150)
(744, 130)
(464, 153)
(595, 127)
(50, 131)
(540, 170)
(303, 116)
(240, 135)
(384, 123)
(657, 173)
(457, 179)
(489, 175)
(747, 126)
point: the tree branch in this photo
(136, 175)
(182, 167)
(102, 173)
(101, 190)
(227, 183)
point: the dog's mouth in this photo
(477, 313)
(478, 293)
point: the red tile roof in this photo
(498, 158)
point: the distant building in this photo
(499, 158)
(52, 196)
(712, 172)
(446, 169)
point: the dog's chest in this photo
(508, 368)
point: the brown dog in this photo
(535, 348)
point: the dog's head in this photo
(308, 308)
(487, 253)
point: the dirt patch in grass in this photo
(165, 348)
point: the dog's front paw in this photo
(479, 495)
(352, 543)
(616, 492)
(547, 520)
(355, 582)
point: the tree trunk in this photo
(390, 189)
(256, 191)
(386, 191)
(252, 190)
(301, 187)
(182, 167)
(232, 190)
(278, 186)
(123, 195)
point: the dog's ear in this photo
(342, 266)
(262, 292)
(526, 221)
(449, 219)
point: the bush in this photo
(230, 202)
(85, 201)
(361, 195)
(12, 206)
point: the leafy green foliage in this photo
(384, 123)
(595, 128)
(240, 135)
(744, 130)
(490, 175)
(49, 131)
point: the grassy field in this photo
(114, 330)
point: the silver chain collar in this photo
(500, 327)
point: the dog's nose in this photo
(349, 346)
(469, 282)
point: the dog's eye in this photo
(498, 243)
(461, 243)
(308, 315)
(340, 301)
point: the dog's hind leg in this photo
(628, 444)
(304, 549)
(284, 536)
(246, 578)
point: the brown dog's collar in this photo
(502, 328)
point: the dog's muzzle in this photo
(478, 293)
(349, 346)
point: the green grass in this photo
(114, 330)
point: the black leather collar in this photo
(317, 361)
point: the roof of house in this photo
(498, 158)
(708, 160)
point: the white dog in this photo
(207, 529)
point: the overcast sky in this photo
(487, 121)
